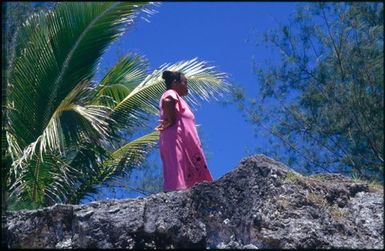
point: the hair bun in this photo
(167, 75)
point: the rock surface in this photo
(260, 204)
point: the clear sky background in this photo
(224, 34)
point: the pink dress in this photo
(184, 163)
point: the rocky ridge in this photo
(260, 204)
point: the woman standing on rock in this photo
(184, 163)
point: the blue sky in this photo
(224, 34)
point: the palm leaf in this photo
(14, 150)
(204, 83)
(134, 152)
(39, 177)
(121, 79)
(49, 95)
(118, 162)
(55, 181)
(87, 160)
(55, 51)
(90, 120)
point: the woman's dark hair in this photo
(170, 76)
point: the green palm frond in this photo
(87, 160)
(63, 178)
(121, 79)
(91, 120)
(204, 83)
(134, 152)
(57, 179)
(43, 180)
(13, 148)
(118, 162)
(54, 52)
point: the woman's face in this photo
(181, 86)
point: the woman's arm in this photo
(169, 110)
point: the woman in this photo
(184, 163)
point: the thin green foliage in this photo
(323, 99)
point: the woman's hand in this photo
(163, 125)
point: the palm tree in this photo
(66, 133)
